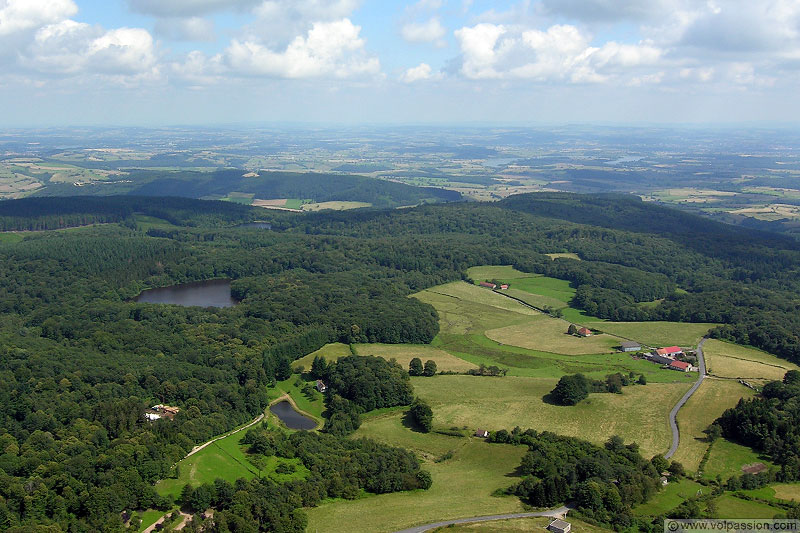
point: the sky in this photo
(182, 62)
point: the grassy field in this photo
(706, 405)
(729, 506)
(403, 353)
(727, 459)
(787, 491)
(462, 485)
(550, 335)
(519, 525)
(150, 517)
(656, 333)
(222, 459)
(502, 403)
(564, 255)
(311, 406)
(502, 272)
(331, 352)
(668, 498)
(10, 238)
(334, 205)
(732, 361)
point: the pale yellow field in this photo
(331, 352)
(472, 293)
(276, 202)
(656, 334)
(502, 272)
(519, 525)
(465, 308)
(733, 361)
(787, 491)
(705, 406)
(550, 335)
(565, 255)
(403, 353)
(336, 206)
(770, 212)
(640, 414)
(462, 486)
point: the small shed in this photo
(482, 433)
(321, 386)
(487, 285)
(504, 286)
(630, 346)
(585, 332)
(664, 481)
(559, 526)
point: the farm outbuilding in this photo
(321, 386)
(670, 351)
(585, 332)
(482, 433)
(559, 526)
(680, 366)
(630, 346)
(487, 285)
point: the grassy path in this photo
(196, 449)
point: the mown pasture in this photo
(494, 403)
(728, 360)
(519, 525)
(656, 334)
(706, 405)
(550, 335)
(669, 497)
(463, 485)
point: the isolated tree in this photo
(430, 368)
(283, 369)
(415, 367)
(422, 415)
(570, 389)
(614, 383)
(714, 432)
(572, 330)
(642, 380)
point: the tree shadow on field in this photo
(550, 400)
(409, 423)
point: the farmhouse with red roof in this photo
(585, 332)
(681, 366)
(670, 351)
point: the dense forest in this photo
(602, 482)
(769, 423)
(80, 361)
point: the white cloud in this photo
(561, 52)
(20, 15)
(607, 10)
(187, 8)
(424, 32)
(329, 49)
(279, 22)
(479, 50)
(421, 72)
(71, 47)
(185, 29)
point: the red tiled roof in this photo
(680, 364)
(668, 350)
(583, 331)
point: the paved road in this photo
(427, 527)
(676, 437)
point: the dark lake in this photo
(292, 418)
(210, 293)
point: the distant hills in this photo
(221, 184)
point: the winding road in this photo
(676, 436)
(555, 513)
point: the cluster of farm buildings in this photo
(671, 356)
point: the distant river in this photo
(211, 293)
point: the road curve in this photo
(561, 511)
(676, 436)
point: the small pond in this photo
(292, 418)
(210, 293)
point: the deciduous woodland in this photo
(80, 361)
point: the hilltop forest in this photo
(79, 360)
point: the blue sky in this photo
(161, 62)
